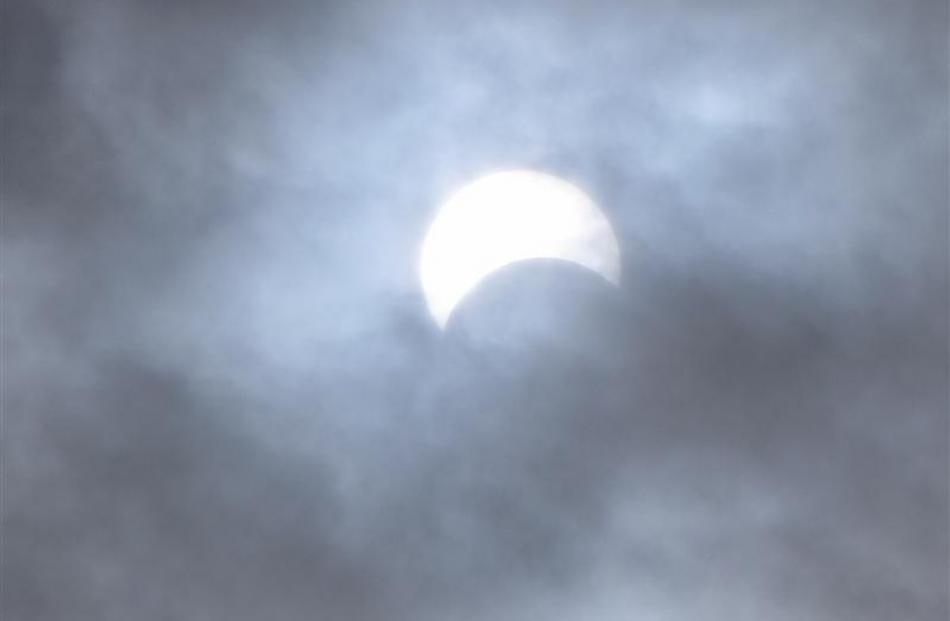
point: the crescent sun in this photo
(507, 217)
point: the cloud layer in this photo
(223, 397)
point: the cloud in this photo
(224, 396)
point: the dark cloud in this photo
(223, 396)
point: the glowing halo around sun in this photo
(506, 217)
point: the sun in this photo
(506, 217)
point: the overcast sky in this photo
(223, 395)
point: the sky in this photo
(223, 396)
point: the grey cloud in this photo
(223, 396)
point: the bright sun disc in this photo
(507, 217)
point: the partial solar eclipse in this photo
(506, 217)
